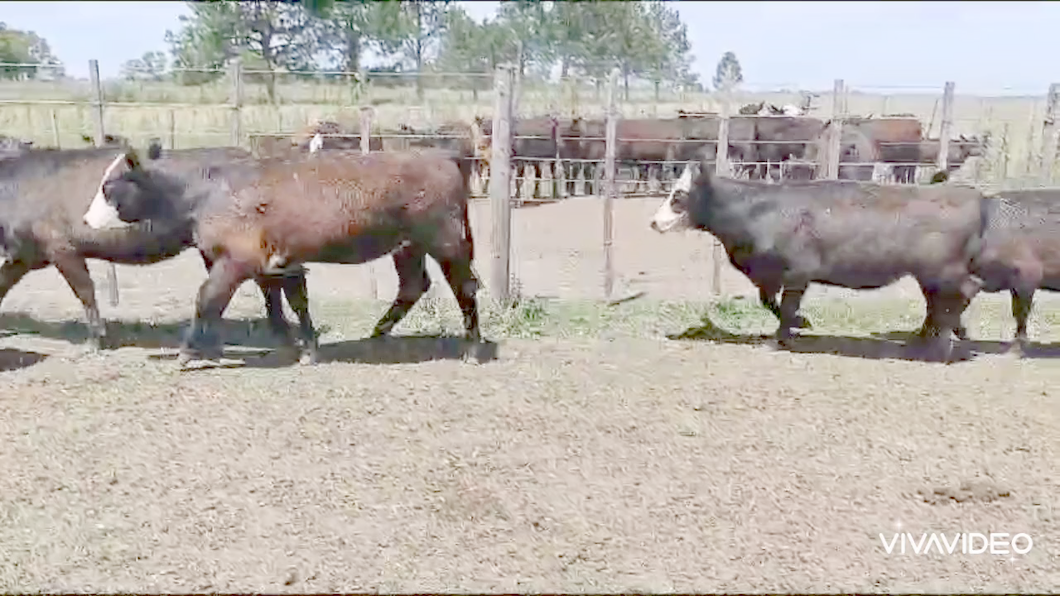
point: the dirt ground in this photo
(595, 454)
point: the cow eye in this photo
(679, 204)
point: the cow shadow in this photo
(869, 348)
(1033, 349)
(137, 334)
(13, 359)
(406, 349)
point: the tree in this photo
(277, 35)
(475, 48)
(352, 26)
(420, 26)
(670, 59)
(151, 67)
(528, 33)
(28, 50)
(645, 40)
(728, 74)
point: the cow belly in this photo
(138, 250)
(858, 279)
(360, 249)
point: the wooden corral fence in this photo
(552, 157)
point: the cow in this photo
(533, 140)
(1021, 251)
(786, 236)
(43, 198)
(333, 135)
(784, 137)
(334, 206)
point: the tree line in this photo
(646, 41)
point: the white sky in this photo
(985, 47)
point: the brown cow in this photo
(322, 131)
(533, 140)
(335, 207)
(785, 138)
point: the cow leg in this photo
(462, 280)
(270, 290)
(413, 282)
(75, 271)
(214, 295)
(1022, 302)
(298, 297)
(11, 272)
(929, 320)
(768, 299)
(789, 311)
(946, 305)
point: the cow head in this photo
(752, 108)
(672, 215)
(126, 194)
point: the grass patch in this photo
(989, 318)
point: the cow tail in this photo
(977, 242)
(466, 163)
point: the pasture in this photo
(655, 445)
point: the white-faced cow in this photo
(333, 206)
(863, 236)
(44, 195)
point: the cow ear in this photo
(132, 160)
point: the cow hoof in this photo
(1017, 349)
(188, 355)
(939, 351)
(309, 358)
(479, 352)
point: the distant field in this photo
(191, 116)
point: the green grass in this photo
(734, 319)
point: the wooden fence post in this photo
(500, 190)
(835, 134)
(97, 117)
(722, 167)
(945, 128)
(366, 148)
(366, 130)
(235, 76)
(172, 122)
(55, 130)
(1052, 112)
(97, 102)
(611, 131)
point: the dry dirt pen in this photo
(595, 454)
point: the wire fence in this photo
(559, 145)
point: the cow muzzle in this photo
(101, 215)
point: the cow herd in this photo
(765, 143)
(263, 218)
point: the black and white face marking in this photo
(673, 213)
(101, 213)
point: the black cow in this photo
(43, 198)
(1021, 250)
(841, 233)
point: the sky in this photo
(986, 48)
